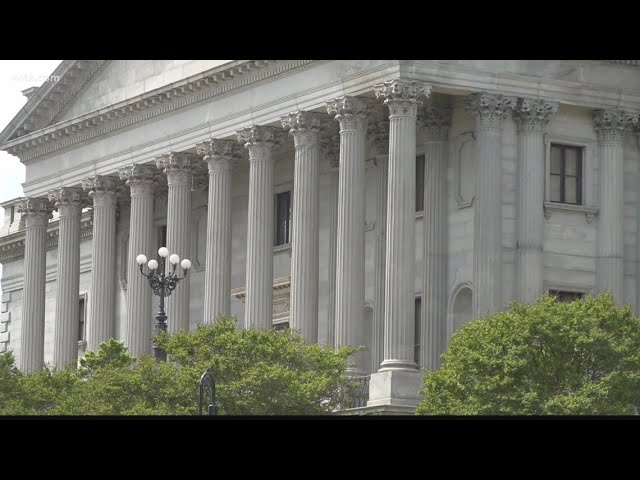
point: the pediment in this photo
(122, 80)
(78, 87)
(52, 98)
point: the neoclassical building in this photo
(377, 203)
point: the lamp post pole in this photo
(162, 286)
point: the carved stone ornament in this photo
(260, 140)
(350, 111)
(435, 121)
(67, 200)
(177, 167)
(36, 211)
(401, 96)
(220, 155)
(611, 125)
(140, 178)
(532, 115)
(303, 126)
(102, 189)
(490, 109)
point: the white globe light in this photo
(163, 252)
(186, 264)
(153, 264)
(141, 259)
(174, 259)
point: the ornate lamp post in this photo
(162, 286)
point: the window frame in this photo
(579, 176)
(82, 341)
(278, 189)
(420, 182)
(587, 208)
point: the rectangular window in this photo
(419, 183)
(283, 218)
(565, 174)
(564, 296)
(81, 319)
(416, 346)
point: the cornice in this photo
(12, 245)
(190, 91)
(51, 99)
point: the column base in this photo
(398, 388)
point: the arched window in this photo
(462, 307)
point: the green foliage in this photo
(256, 373)
(545, 358)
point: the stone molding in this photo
(192, 90)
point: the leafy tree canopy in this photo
(256, 372)
(549, 357)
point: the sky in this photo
(15, 76)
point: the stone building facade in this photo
(376, 203)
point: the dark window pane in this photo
(283, 218)
(81, 322)
(556, 155)
(555, 188)
(570, 161)
(419, 183)
(564, 296)
(570, 190)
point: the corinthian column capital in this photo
(220, 155)
(611, 125)
(532, 115)
(37, 211)
(140, 178)
(489, 109)
(102, 189)
(67, 200)
(401, 96)
(350, 111)
(260, 140)
(303, 126)
(436, 122)
(177, 167)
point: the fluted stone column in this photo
(221, 156)
(177, 167)
(380, 134)
(349, 312)
(65, 339)
(139, 323)
(261, 142)
(101, 320)
(489, 110)
(398, 381)
(37, 213)
(436, 123)
(610, 126)
(531, 117)
(305, 241)
(331, 149)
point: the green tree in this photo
(256, 373)
(545, 358)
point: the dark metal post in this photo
(208, 384)
(162, 286)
